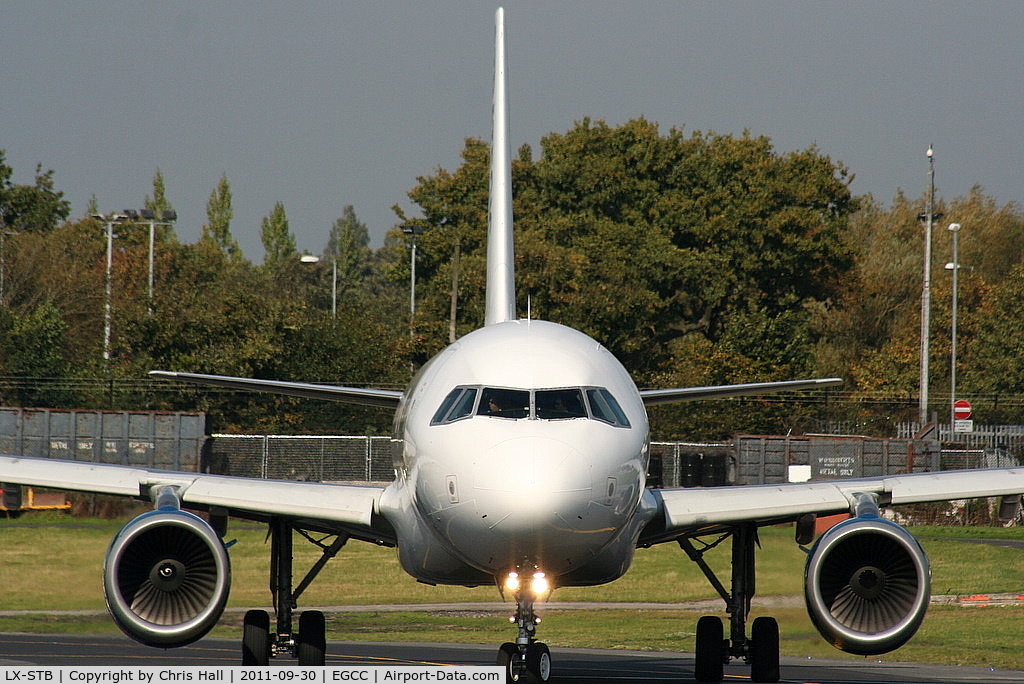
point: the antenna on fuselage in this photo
(501, 291)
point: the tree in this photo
(870, 334)
(217, 229)
(33, 208)
(348, 247)
(160, 204)
(995, 363)
(278, 242)
(63, 269)
(33, 346)
(642, 239)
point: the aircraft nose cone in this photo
(539, 472)
(535, 499)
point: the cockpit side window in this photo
(560, 404)
(464, 406)
(504, 403)
(604, 407)
(457, 404)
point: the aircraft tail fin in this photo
(501, 293)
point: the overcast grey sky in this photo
(323, 104)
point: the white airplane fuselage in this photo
(483, 491)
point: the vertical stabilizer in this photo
(501, 291)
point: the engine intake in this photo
(867, 584)
(166, 577)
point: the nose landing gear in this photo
(526, 660)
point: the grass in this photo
(52, 562)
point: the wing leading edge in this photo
(669, 396)
(689, 509)
(336, 506)
(349, 395)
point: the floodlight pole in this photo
(412, 231)
(955, 229)
(106, 304)
(169, 217)
(926, 293)
(149, 295)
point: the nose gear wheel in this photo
(526, 660)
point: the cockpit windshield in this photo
(504, 403)
(560, 403)
(563, 403)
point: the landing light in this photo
(540, 584)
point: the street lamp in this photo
(169, 216)
(312, 259)
(929, 219)
(412, 231)
(127, 216)
(955, 267)
(109, 221)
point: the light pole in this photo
(109, 222)
(412, 231)
(127, 216)
(955, 267)
(929, 219)
(169, 216)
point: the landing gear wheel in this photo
(312, 642)
(538, 662)
(256, 638)
(764, 655)
(708, 665)
(508, 657)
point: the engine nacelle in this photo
(867, 584)
(166, 577)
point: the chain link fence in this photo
(176, 441)
(308, 458)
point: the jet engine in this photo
(166, 576)
(867, 583)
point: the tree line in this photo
(696, 258)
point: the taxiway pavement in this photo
(570, 665)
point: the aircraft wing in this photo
(350, 395)
(335, 506)
(688, 509)
(668, 396)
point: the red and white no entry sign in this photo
(961, 409)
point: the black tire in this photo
(538, 662)
(507, 654)
(312, 640)
(764, 655)
(256, 638)
(707, 664)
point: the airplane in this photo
(520, 454)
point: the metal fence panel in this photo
(143, 438)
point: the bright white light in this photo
(540, 584)
(512, 581)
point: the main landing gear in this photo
(526, 660)
(713, 650)
(309, 644)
